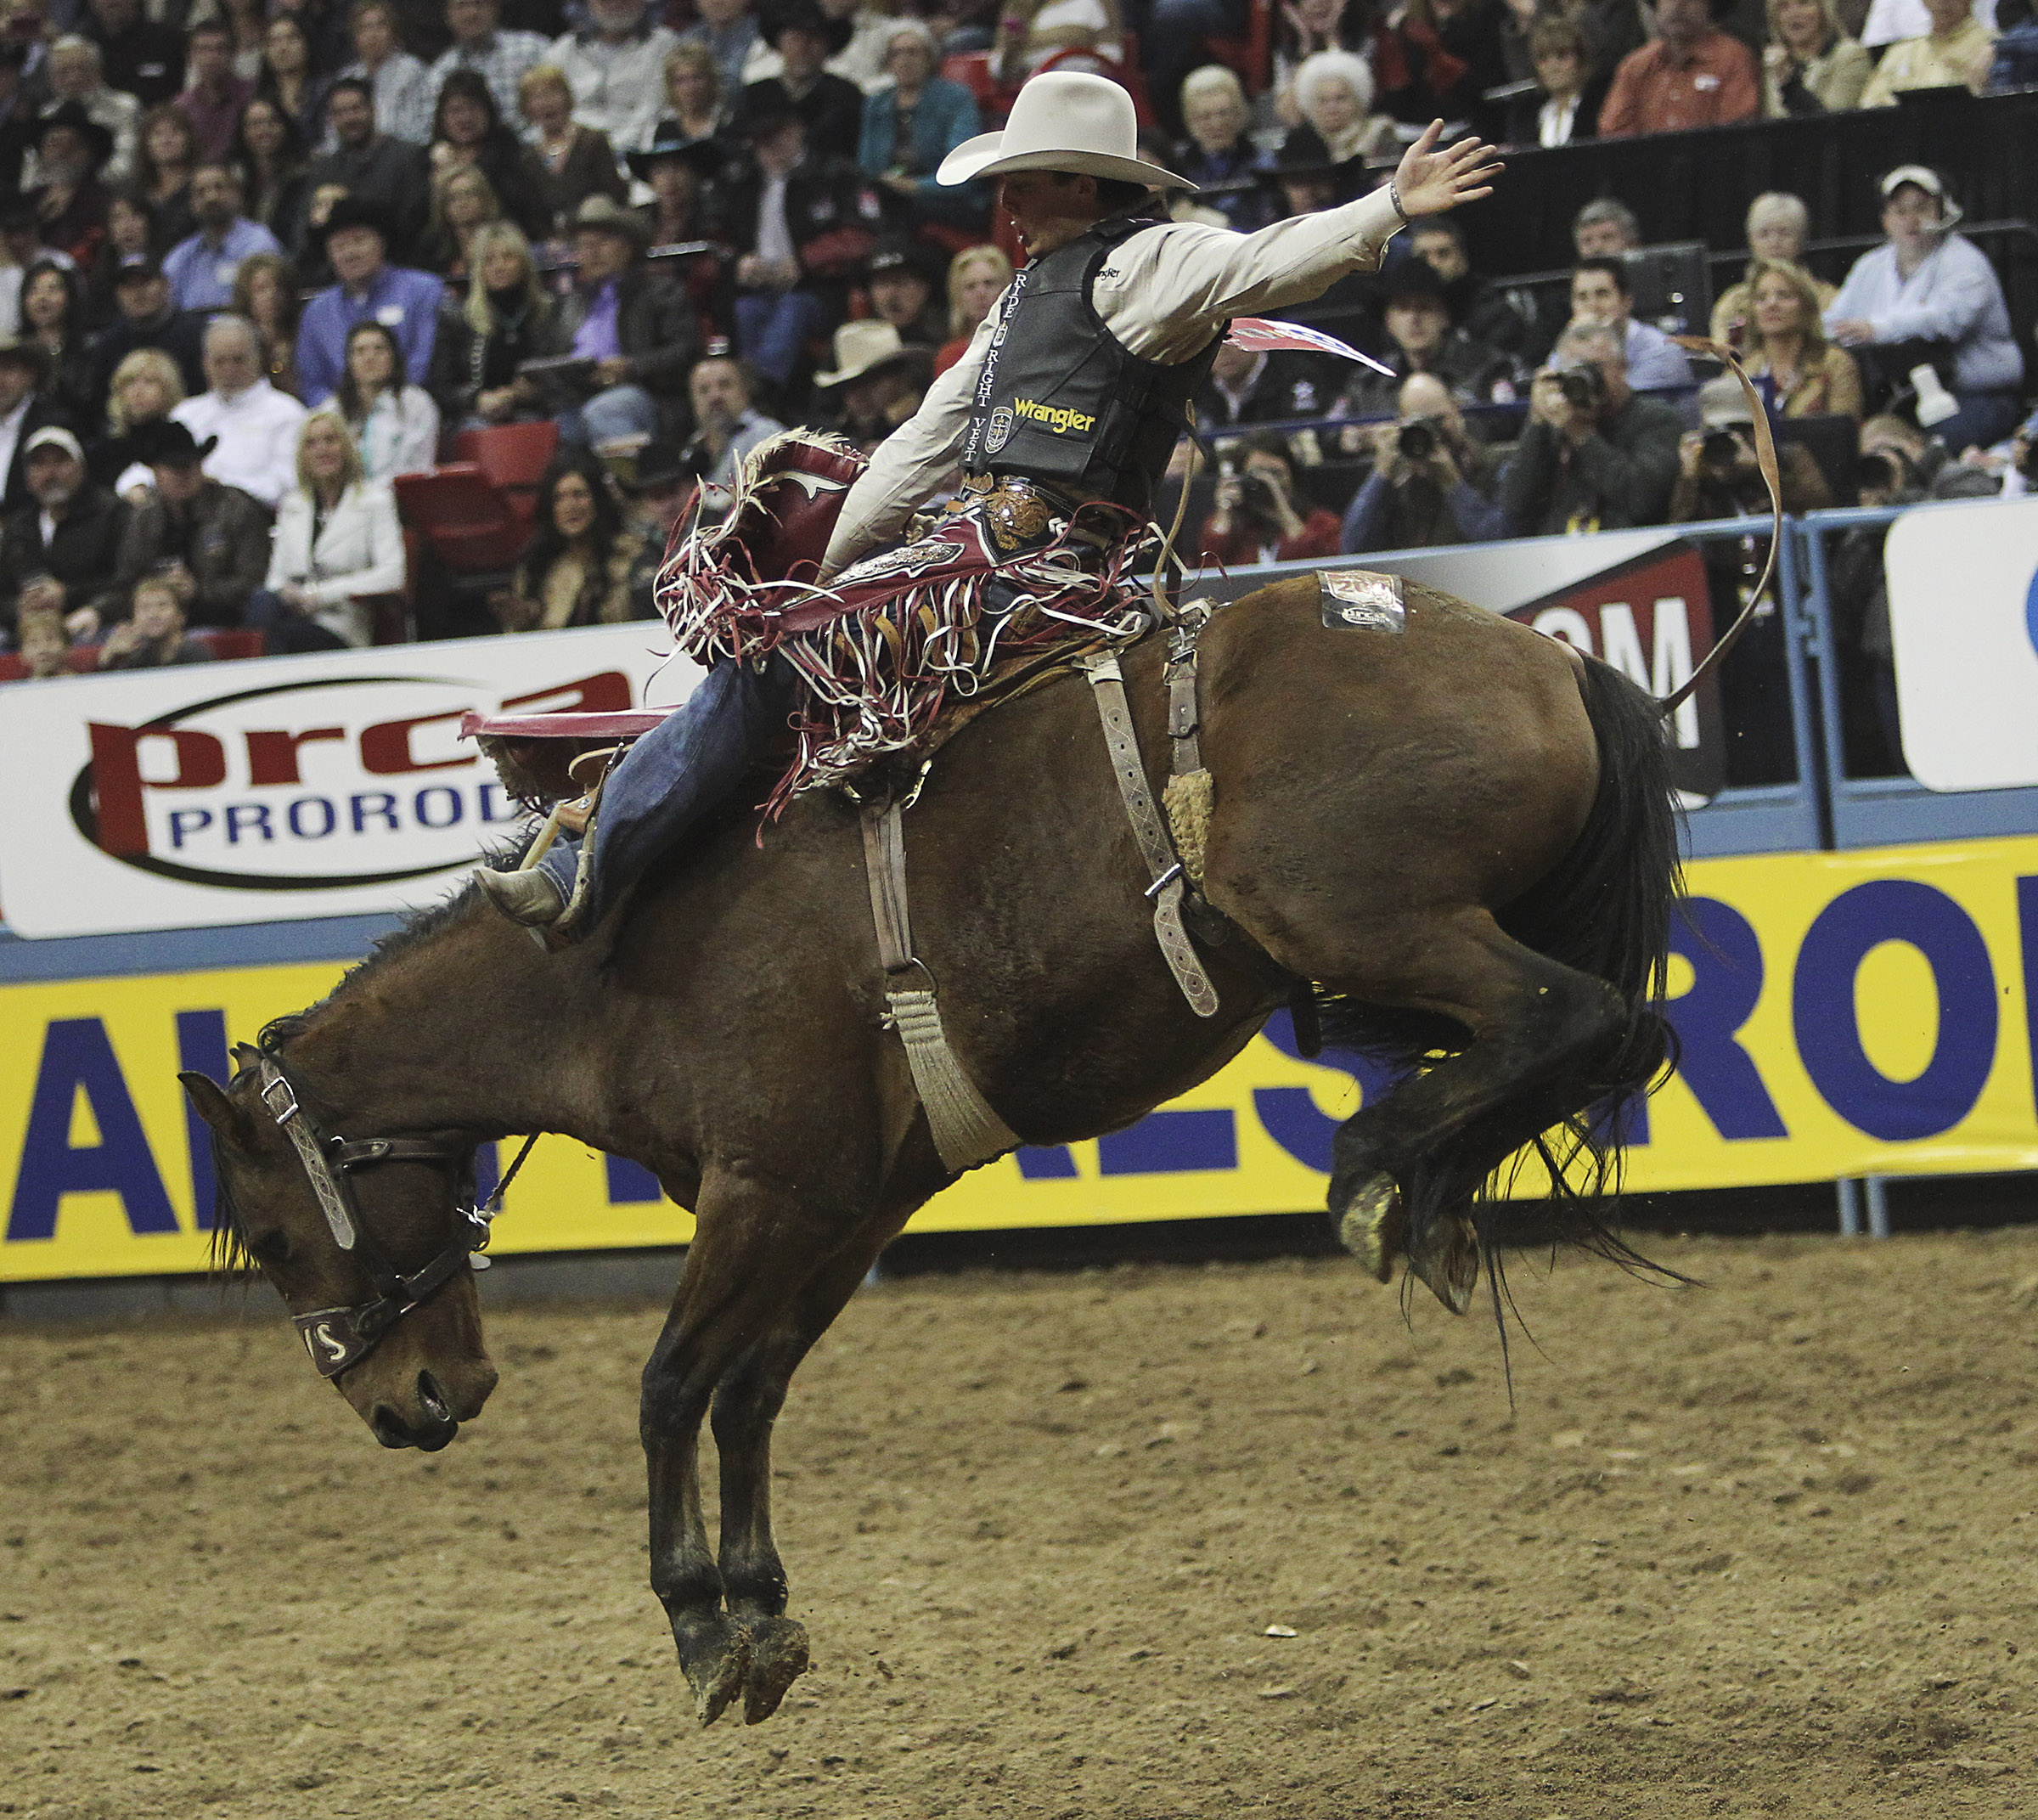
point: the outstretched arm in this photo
(1429, 182)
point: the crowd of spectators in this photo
(259, 258)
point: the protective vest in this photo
(1061, 399)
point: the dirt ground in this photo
(1757, 1547)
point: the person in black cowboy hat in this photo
(831, 106)
(677, 169)
(905, 278)
(1420, 339)
(24, 408)
(210, 539)
(70, 201)
(357, 233)
(1306, 177)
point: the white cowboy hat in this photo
(865, 344)
(1063, 120)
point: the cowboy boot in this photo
(531, 897)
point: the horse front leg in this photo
(746, 1405)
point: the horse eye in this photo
(271, 1247)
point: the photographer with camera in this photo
(1431, 483)
(1594, 455)
(1257, 519)
(1717, 473)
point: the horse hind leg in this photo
(1405, 1170)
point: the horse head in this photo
(367, 1240)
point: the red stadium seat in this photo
(469, 523)
(513, 456)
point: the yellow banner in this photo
(1838, 1014)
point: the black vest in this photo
(1060, 400)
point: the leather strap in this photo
(1107, 685)
(885, 860)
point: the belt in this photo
(1018, 510)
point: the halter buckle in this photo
(278, 1095)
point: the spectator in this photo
(657, 496)
(1478, 308)
(1929, 296)
(1594, 455)
(163, 163)
(1217, 157)
(462, 203)
(1569, 93)
(1955, 53)
(577, 572)
(1431, 485)
(1032, 33)
(338, 544)
(287, 79)
(1654, 363)
(1421, 340)
(1778, 224)
(832, 107)
(202, 269)
(484, 338)
(913, 123)
(398, 87)
(390, 177)
(146, 388)
(140, 58)
(1334, 94)
(878, 382)
(565, 162)
(251, 427)
(357, 239)
(1605, 228)
(76, 75)
(57, 551)
(468, 134)
(153, 634)
(268, 154)
(212, 540)
(499, 57)
(616, 65)
(1257, 519)
(862, 34)
(1810, 66)
(675, 170)
(1468, 30)
(1798, 371)
(265, 292)
(1248, 385)
(728, 426)
(395, 426)
(799, 227)
(45, 651)
(213, 102)
(248, 21)
(1694, 76)
(728, 31)
(694, 101)
(52, 308)
(148, 318)
(25, 406)
(1927, 465)
(638, 334)
(1718, 475)
(902, 276)
(130, 229)
(1306, 177)
(977, 276)
(70, 201)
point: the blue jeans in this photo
(283, 630)
(1983, 418)
(613, 415)
(773, 327)
(685, 767)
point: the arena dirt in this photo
(1759, 1547)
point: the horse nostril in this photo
(432, 1398)
(388, 1427)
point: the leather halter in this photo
(338, 1338)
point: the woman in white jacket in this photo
(395, 423)
(337, 542)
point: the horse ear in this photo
(212, 1105)
(245, 1055)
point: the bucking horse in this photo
(1450, 839)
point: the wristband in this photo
(1394, 196)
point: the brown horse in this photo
(1462, 833)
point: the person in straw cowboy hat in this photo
(1061, 416)
(879, 379)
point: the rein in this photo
(339, 1338)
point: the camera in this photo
(1720, 452)
(1882, 471)
(1256, 498)
(1417, 441)
(1583, 388)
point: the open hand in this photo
(1433, 182)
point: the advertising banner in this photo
(1838, 1015)
(328, 785)
(1966, 642)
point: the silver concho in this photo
(1000, 430)
(1362, 598)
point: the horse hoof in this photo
(1447, 1259)
(716, 1673)
(778, 1658)
(1372, 1227)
